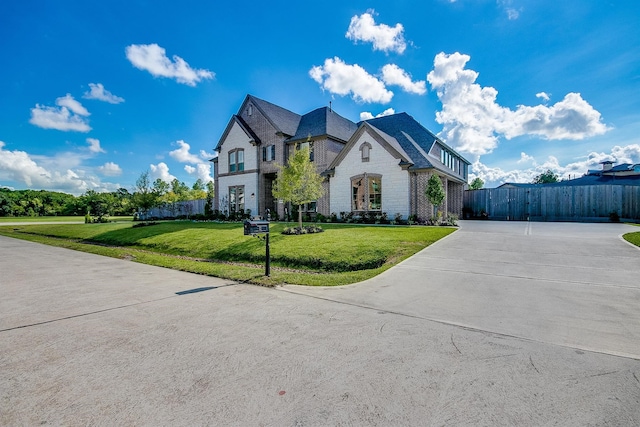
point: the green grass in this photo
(633, 238)
(37, 219)
(342, 254)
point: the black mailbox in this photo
(255, 227)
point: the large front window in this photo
(236, 161)
(366, 192)
(236, 198)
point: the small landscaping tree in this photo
(298, 182)
(434, 192)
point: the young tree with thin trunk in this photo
(298, 182)
(434, 192)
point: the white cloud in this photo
(206, 155)
(201, 171)
(366, 115)
(153, 58)
(161, 170)
(110, 169)
(394, 75)
(51, 173)
(543, 95)
(202, 168)
(473, 120)
(343, 79)
(183, 155)
(94, 145)
(525, 158)
(507, 6)
(384, 38)
(68, 116)
(101, 94)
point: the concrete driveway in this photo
(498, 324)
(569, 284)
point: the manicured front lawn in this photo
(342, 254)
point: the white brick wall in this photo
(237, 138)
(395, 181)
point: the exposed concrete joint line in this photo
(575, 282)
(85, 314)
(466, 327)
(99, 311)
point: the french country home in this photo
(375, 166)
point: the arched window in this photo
(365, 149)
(366, 192)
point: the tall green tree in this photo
(208, 207)
(298, 182)
(476, 184)
(434, 192)
(548, 177)
(145, 197)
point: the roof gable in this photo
(283, 120)
(388, 142)
(324, 122)
(235, 119)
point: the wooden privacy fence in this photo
(555, 203)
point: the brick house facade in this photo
(378, 165)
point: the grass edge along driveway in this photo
(633, 238)
(343, 254)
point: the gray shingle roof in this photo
(284, 120)
(324, 121)
(405, 128)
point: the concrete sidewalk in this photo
(88, 340)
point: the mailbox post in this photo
(254, 228)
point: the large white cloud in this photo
(200, 171)
(473, 120)
(183, 155)
(384, 38)
(59, 173)
(153, 58)
(344, 79)
(202, 168)
(394, 75)
(69, 115)
(101, 94)
(161, 171)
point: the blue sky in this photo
(95, 93)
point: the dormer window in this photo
(250, 110)
(365, 149)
